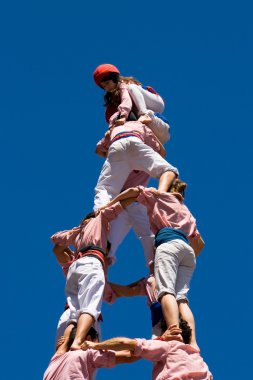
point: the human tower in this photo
(133, 148)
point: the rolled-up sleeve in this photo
(66, 237)
(112, 212)
(106, 359)
(150, 349)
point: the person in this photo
(173, 360)
(68, 365)
(174, 228)
(147, 287)
(120, 91)
(85, 281)
(132, 146)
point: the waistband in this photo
(123, 135)
(167, 234)
(93, 251)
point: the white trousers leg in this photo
(124, 156)
(85, 287)
(160, 129)
(145, 100)
(134, 216)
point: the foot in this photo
(145, 119)
(76, 346)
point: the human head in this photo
(87, 218)
(106, 72)
(92, 336)
(178, 186)
(183, 325)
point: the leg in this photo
(144, 158)
(114, 174)
(166, 181)
(167, 260)
(91, 283)
(62, 324)
(159, 127)
(141, 226)
(118, 231)
(145, 100)
(187, 315)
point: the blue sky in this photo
(198, 56)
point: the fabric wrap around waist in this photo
(93, 251)
(125, 134)
(167, 234)
(156, 313)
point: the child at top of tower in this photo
(120, 91)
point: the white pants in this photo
(125, 155)
(85, 287)
(64, 321)
(145, 100)
(160, 129)
(174, 266)
(134, 216)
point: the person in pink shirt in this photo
(132, 146)
(79, 364)
(173, 360)
(85, 281)
(174, 228)
(121, 91)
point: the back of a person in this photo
(69, 366)
(182, 362)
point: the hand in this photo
(107, 133)
(87, 344)
(173, 333)
(60, 341)
(120, 121)
(154, 191)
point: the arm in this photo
(115, 344)
(62, 253)
(125, 357)
(129, 193)
(131, 290)
(197, 244)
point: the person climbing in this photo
(120, 91)
(175, 231)
(68, 365)
(85, 281)
(172, 359)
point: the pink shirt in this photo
(125, 105)
(78, 365)
(174, 360)
(144, 132)
(167, 210)
(94, 233)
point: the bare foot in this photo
(145, 119)
(75, 346)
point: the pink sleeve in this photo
(112, 212)
(101, 359)
(153, 350)
(144, 197)
(125, 106)
(126, 102)
(66, 237)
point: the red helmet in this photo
(103, 71)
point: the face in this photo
(109, 85)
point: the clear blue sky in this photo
(198, 55)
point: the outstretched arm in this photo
(131, 290)
(197, 244)
(132, 192)
(115, 344)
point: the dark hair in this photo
(92, 332)
(88, 216)
(184, 326)
(178, 186)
